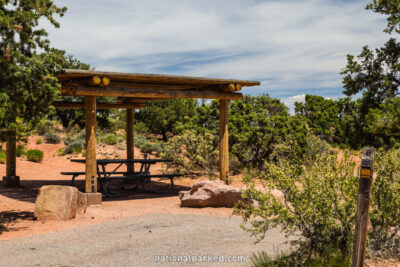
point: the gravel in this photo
(141, 241)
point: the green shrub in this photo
(159, 148)
(191, 151)
(156, 148)
(140, 127)
(235, 165)
(75, 147)
(35, 155)
(140, 141)
(38, 141)
(70, 139)
(3, 157)
(44, 126)
(61, 151)
(110, 139)
(21, 150)
(319, 200)
(52, 138)
(330, 258)
(385, 204)
(147, 148)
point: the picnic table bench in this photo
(142, 177)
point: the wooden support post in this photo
(90, 125)
(129, 138)
(11, 179)
(364, 192)
(223, 138)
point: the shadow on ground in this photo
(29, 189)
(7, 218)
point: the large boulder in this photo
(210, 194)
(56, 202)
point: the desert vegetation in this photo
(306, 162)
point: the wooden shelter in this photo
(133, 91)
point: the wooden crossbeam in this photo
(152, 86)
(145, 93)
(136, 99)
(81, 105)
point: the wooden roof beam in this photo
(81, 105)
(136, 99)
(144, 85)
(146, 93)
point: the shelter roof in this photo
(148, 86)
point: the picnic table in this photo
(143, 176)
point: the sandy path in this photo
(136, 241)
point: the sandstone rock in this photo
(82, 203)
(56, 202)
(210, 194)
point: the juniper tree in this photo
(27, 62)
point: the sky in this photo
(292, 47)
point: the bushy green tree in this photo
(389, 8)
(383, 123)
(259, 126)
(376, 75)
(205, 119)
(27, 63)
(70, 116)
(322, 116)
(162, 117)
(350, 131)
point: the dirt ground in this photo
(17, 204)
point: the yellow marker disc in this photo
(96, 80)
(105, 81)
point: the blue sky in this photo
(293, 47)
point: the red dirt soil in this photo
(17, 204)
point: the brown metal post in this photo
(223, 138)
(129, 138)
(364, 192)
(90, 125)
(11, 179)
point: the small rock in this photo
(210, 194)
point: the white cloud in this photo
(289, 101)
(287, 45)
